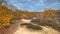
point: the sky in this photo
(35, 5)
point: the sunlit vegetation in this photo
(6, 15)
(48, 17)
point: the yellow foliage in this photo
(5, 16)
(50, 12)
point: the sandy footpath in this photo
(45, 30)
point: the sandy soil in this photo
(24, 30)
(45, 30)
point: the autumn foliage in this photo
(6, 16)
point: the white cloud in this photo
(41, 2)
(55, 4)
(14, 4)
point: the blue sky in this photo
(35, 5)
